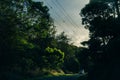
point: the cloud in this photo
(68, 20)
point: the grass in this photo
(57, 77)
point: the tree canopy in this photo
(101, 18)
(28, 42)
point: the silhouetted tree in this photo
(102, 20)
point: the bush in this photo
(53, 57)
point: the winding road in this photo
(68, 77)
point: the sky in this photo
(65, 14)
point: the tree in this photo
(97, 17)
(26, 30)
(71, 63)
(102, 21)
(53, 57)
(114, 2)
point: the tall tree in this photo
(26, 31)
(102, 20)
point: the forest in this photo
(30, 47)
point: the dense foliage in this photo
(101, 18)
(28, 44)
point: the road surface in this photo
(66, 77)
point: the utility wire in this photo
(64, 13)
(59, 16)
(67, 14)
(68, 17)
(56, 14)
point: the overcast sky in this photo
(66, 18)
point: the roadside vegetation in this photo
(29, 45)
(30, 49)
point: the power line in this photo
(56, 14)
(68, 17)
(59, 16)
(54, 11)
(67, 13)
(64, 13)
